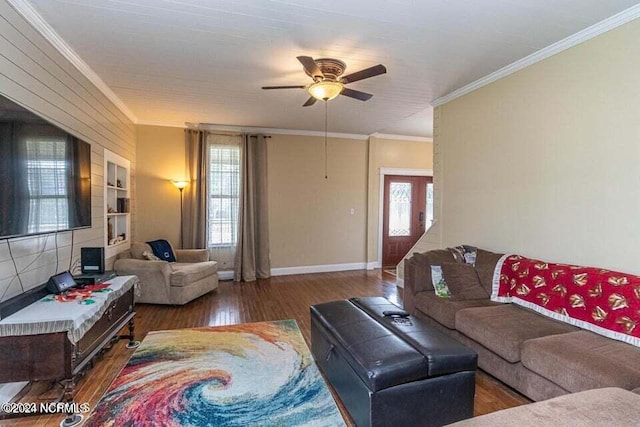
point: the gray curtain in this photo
(194, 220)
(252, 252)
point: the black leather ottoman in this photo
(389, 373)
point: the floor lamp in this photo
(180, 185)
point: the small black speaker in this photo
(92, 260)
(61, 282)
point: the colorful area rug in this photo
(252, 374)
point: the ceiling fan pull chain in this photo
(325, 141)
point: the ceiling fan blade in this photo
(309, 102)
(283, 87)
(364, 74)
(362, 96)
(311, 67)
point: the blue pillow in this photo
(162, 249)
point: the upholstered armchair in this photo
(175, 283)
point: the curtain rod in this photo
(212, 128)
(231, 134)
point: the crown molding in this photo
(273, 131)
(161, 123)
(279, 131)
(24, 8)
(588, 33)
(401, 137)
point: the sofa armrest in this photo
(409, 292)
(192, 255)
(154, 278)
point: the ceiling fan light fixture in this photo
(325, 90)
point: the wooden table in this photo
(55, 341)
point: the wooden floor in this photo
(283, 297)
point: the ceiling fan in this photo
(328, 81)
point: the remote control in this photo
(402, 321)
(395, 313)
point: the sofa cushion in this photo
(138, 249)
(443, 310)
(583, 360)
(423, 270)
(150, 256)
(163, 249)
(503, 328)
(593, 408)
(462, 281)
(464, 254)
(485, 266)
(186, 273)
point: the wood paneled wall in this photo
(35, 75)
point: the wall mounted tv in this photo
(45, 175)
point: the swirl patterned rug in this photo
(252, 374)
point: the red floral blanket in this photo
(603, 301)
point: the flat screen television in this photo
(45, 175)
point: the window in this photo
(224, 191)
(429, 204)
(400, 209)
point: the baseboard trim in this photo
(225, 275)
(307, 269)
(373, 265)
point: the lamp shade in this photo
(325, 90)
(180, 185)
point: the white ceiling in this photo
(204, 61)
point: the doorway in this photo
(407, 213)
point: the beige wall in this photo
(390, 153)
(545, 162)
(310, 217)
(310, 221)
(35, 75)
(161, 158)
(432, 239)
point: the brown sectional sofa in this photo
(538, 356)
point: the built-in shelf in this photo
(120, 243)
(111, 187)
(116, 197)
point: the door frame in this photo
(392, 171)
